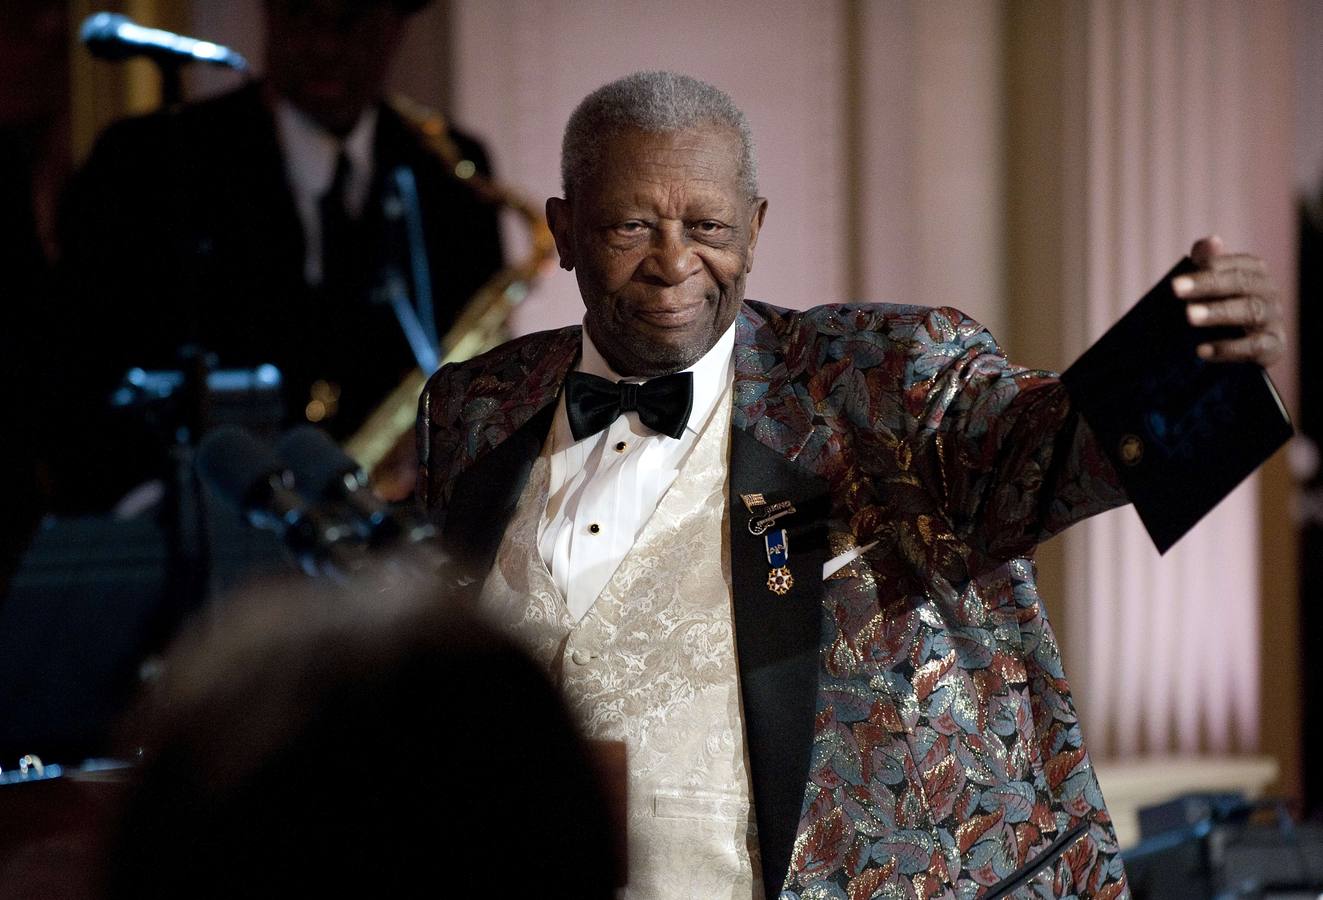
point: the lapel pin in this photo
(753, 501)
(763, 514)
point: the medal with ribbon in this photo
(779, 579)
(762, 521)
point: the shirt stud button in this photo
(594, 528)
(581, 657)
(622, 446)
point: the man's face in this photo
(329, 57)
(661, 240)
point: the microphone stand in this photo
(404, 238)
(172, 81)
(183, 512)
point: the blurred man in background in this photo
(259, 226)
(265, 226)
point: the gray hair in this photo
(659, 102)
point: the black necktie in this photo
(337, 237)
(663, 404)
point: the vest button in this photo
(581, 657)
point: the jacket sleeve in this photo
(1011, 462)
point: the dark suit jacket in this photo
(181, 228)
(908, 721)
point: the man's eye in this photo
(710, 226)
(630, 228)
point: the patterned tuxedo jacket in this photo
(910, 729)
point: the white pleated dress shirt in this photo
(604, 488)
(310, 153)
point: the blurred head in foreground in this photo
(348, 741)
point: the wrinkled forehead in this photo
(706, 157)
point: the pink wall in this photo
(932, 153)
(1185, 130)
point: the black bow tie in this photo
(663, 404)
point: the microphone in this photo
(247, 475)
(407, 543)
(326, 474)
(113, 36)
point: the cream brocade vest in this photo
(652, 663)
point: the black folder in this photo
(1181, 432)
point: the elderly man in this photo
(779, 561)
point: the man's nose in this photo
(674, 257)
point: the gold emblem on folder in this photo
(1130, 450)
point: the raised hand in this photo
(1233, 289)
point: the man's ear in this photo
(755, 226)
(560, 219)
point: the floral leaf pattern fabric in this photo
(947, 757)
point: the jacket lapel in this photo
(777, 637)
(485, 494)
(497, 411)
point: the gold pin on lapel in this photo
(753, 501)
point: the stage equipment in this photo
(116, 37)
(245, 474)
(57, 824)
(480, 326)
(320, 504)
(179, 407)
(95, 596)
(324, 473)
(1222, 847)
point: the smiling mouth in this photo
(670, 318)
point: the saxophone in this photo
(383, 445)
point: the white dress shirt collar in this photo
(310, 153)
